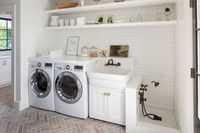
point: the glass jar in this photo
(84, 51)
(93, 52)
(54, 21)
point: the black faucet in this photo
(111, 63)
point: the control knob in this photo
(67, 67)
(39, 64)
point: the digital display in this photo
(78, 67)
(48, 64)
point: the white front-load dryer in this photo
(40, 83)
(71, 90)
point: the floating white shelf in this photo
(153, 23)
(110, 6)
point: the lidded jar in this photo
(93, 52)
(85, 51)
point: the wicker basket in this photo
(61, 5)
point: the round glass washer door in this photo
(40, 83)
(68, 87)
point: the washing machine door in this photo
(40, 83)
(68, 87)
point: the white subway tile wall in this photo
(152, 48)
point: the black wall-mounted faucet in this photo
(111, 63)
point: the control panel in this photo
(48, 64)
(69, 67)
(41, 65)
(78, 68)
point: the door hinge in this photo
(191, 3)
(193, 72)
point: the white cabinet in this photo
(107, 105)
(116, 107)
(5, 71)
(99, 103)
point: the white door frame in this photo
(12, 10)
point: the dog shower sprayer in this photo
(142, 90)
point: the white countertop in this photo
(5, 56)
(76, 60)
(73, 59)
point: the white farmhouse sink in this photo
(109, 76)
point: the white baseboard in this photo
(23, 106)
(16, 105)
(19, 106)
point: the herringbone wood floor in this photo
(6, 95)
(33, 120)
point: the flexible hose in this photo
(149, 115)
(144, 112)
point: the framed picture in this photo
(72, 45)
(119, 50)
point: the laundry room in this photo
(91, 66)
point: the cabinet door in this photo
(98, 103)
(8, 70)
(116, 107)
(5, 70)
(2, 72)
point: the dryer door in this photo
(40, 83)
(68, 87)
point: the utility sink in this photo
(109, 76)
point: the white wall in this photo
(183, 63)
(34, 39)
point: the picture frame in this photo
(72, 45)
(119, 50)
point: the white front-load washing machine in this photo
(71, 89)
(40, 83)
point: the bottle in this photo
(54, 21)
(82, 2)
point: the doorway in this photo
(8, 56)
(5, 59)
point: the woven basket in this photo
(66, 4)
